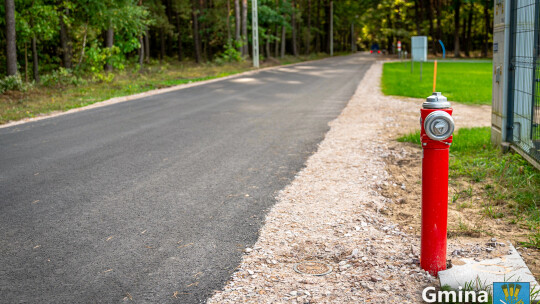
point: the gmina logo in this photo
(512, 293)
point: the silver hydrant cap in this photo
(436, 101)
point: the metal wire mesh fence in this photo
(524, 82)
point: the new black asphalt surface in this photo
(153, 200)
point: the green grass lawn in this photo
(510, 184)
(466, 82)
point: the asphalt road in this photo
(142, 199)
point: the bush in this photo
(13, 83)
(230, 54)
(61, 76)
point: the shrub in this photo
(230, 54)
(61, 76)
(13, 83)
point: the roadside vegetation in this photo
(466, 82)
(508, 184)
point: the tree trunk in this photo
(276, 31)
(283, 32)
(457, 8)
(244, 28)
(11, 40)
(25, 62)
(206, 41)
(109, 41)
(147, 46)
(268, 55)
(331, 30)
(487, 30)
(389, 45)
(141, 53)
(431, 29)
(352, 38)
(417, 17)
(65, 42)
(318, 23)
(237, 22)
(167, 39)
(179, 30)
(35, 63)
(228, 21)
(196, 38)
(308, 34)
(162, 45)
(141, 43)
(293, 30)
(83, 44)
(468, 36)
(439, 29)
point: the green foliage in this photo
(230, 54)
(61, 77)
(467, 82)
(97, 57)
(35, 18)
(13, 83)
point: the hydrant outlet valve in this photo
(436, 136)
(436, 122)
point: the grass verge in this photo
(510, 186)
(466, 82)
(16, 105)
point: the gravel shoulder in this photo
(334, 212)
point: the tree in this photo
(38, 22)
(11, 40)
(293, 28)
(196, 37)
(237, 21)
(487, 29)
(65, 40)
(457, 7)
(245, 50)
(308, 33)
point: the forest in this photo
(92, 38)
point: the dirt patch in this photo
(468, 224)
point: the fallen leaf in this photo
(197, 274)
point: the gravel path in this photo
(332, 212)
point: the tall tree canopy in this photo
(97, 35)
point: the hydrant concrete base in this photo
(508, 268)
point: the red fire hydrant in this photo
(436, 136)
